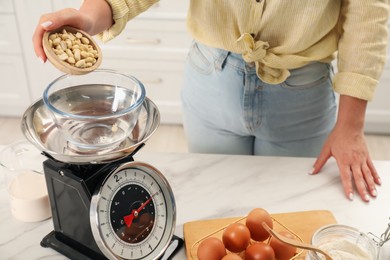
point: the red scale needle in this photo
(134, 213)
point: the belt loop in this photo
(219, 62)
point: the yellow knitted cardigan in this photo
(278, 35)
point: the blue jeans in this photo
(227, 109)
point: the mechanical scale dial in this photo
(133, 213)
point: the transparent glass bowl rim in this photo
(332, 227)
(341, 227)
(84, 117)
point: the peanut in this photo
(73, 48)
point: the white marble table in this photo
(217, 186)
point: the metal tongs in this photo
(382, 239)
(385, 236)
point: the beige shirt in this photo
(278, 35)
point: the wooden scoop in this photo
(294, 242)
(64, 66)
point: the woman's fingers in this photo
(37, 43)
(52, 21)
(360, 182)
(346, 179)
(362, 175)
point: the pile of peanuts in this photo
(73, 48)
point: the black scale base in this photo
(70, 188)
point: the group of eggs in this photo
(249, 241)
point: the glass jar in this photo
(24, 181)
(343, 242)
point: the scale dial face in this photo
(133, 213)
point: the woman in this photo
(259, 78)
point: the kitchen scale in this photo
(105, 205)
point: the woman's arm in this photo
(92, 17)
(104, 17)
(361, 58)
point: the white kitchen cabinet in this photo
(14, 90)
(378, 111)
(6, 6)
(38, 75)
(57, 5)
(153, 48)
(162, 81)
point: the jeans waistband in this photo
(220, 57)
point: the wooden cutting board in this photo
(303, 224)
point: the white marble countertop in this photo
(218, 186)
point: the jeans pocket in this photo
(309, 76)
(199, 59)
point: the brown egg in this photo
(282, 250)
(259, 251)
(231, 257)
(211, 248)
(236, 237)
(254, 222)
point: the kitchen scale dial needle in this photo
(135, 212)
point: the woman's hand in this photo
(347, 145)
(52, 21)
(94, 16)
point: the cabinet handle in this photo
(152, 81)
(143, 41)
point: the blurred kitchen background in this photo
(153, 48)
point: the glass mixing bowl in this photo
(343, 242)
(95, 110)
